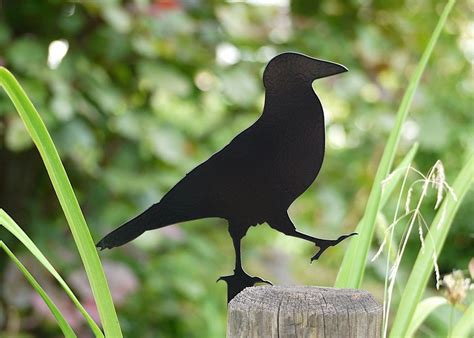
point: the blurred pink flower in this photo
(173, 232)
(122, 282)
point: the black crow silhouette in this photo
(258, 175)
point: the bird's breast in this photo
(300, 159)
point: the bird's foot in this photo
(324, 244)
(239, 281)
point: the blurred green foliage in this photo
(149, 89)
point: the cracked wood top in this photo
(304, 311)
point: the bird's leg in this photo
(322, 244)
(285, 225)
(240, 279)
(238, 258)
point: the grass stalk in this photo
(433, 245)
(353, 266)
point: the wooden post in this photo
(303, 311)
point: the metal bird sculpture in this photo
(258, 175)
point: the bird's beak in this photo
(321, 68)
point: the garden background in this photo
(137, 93)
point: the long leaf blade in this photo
(434, 242)
(397, 175)
(352, 269)
(9, 224)
(62, 322)
(465, 324)
(423, 310)
(82, 237)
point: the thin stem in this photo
(386, 304)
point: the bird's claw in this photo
(260, 280)
(323, 245)
(253, 279)
(239, 281)
(343, 237)
(319, 253)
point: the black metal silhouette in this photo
(258, 175)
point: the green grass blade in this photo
(434, 242)
(353, 265)
(63, 324)
(423, 310)
(397, 175)
(465, 324)
(9, 224)
(381, 231)
(381, 225)
(82, 237)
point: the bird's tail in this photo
(149, 219)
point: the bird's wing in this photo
(225, 178)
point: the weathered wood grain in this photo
(303, 312)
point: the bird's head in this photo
(294, 69)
